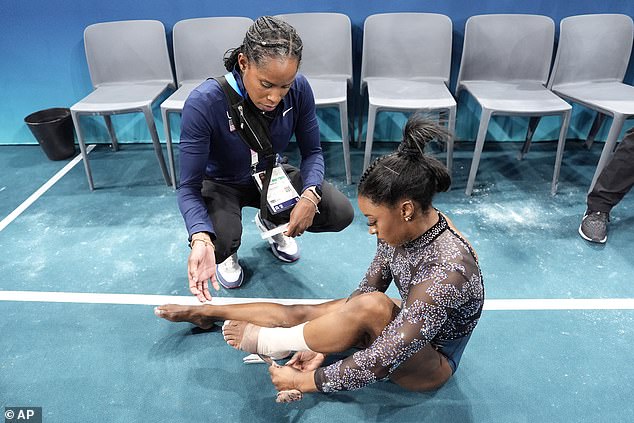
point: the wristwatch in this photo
(316, 190)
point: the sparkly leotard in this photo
(439, 280)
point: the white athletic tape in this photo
(253, 359)
(272, 232)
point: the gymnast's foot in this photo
(181, 313)
(244, 336)
(241, 335)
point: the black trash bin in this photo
(53, 130)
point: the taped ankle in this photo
(275, 340)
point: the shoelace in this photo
(281, 240)
(231, 262)
(597, 217)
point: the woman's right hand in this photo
(306, 361)
(201, 267)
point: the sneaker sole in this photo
(277, 254)
(584, 236)
(280, 256)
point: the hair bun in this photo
(418, 132)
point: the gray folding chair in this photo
(505, 65)
(199, 47)
(327, 64)
(592, 58)
(405, 65)
(130, 68)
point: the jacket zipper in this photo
(243, 121)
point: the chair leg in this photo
(343, 116)
(482, 132)
(451, 126)
(561, 144)
(608, 148)
(532, 125)
(372, 111)
(442, 119)
(594, 129)
(360, 122)
(350, 122)
(168, 140)
(149, 119)
(113, 135)
(82, 147)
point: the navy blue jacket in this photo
(208, 149)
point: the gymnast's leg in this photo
(261, 314)
(356, 322)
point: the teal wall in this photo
(42, 62)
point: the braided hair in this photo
(268, 37)
(408, 172)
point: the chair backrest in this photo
(592, 48)
(507, 48)
(406, 46)
(200, 45)
(127, 51)
(327, 40)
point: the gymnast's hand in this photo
(301, 218)
(286, 378)
(201, 267)
(306, 361)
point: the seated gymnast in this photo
(417, 341)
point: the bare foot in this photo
(181, 313)
(289, 396)
(241, 335)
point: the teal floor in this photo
(84, 362)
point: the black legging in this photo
(225, 203)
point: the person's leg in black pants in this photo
(616, 180)
(225, 203)
(224, 206)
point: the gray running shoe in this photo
(594, 226)
(283, 247)
(229, 272)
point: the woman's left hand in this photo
(301, 218)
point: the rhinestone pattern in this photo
(440, 283)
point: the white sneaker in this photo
(283, 247)
(229, 273)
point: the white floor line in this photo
(138, 299)
(37, 194)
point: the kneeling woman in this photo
(416, 342)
